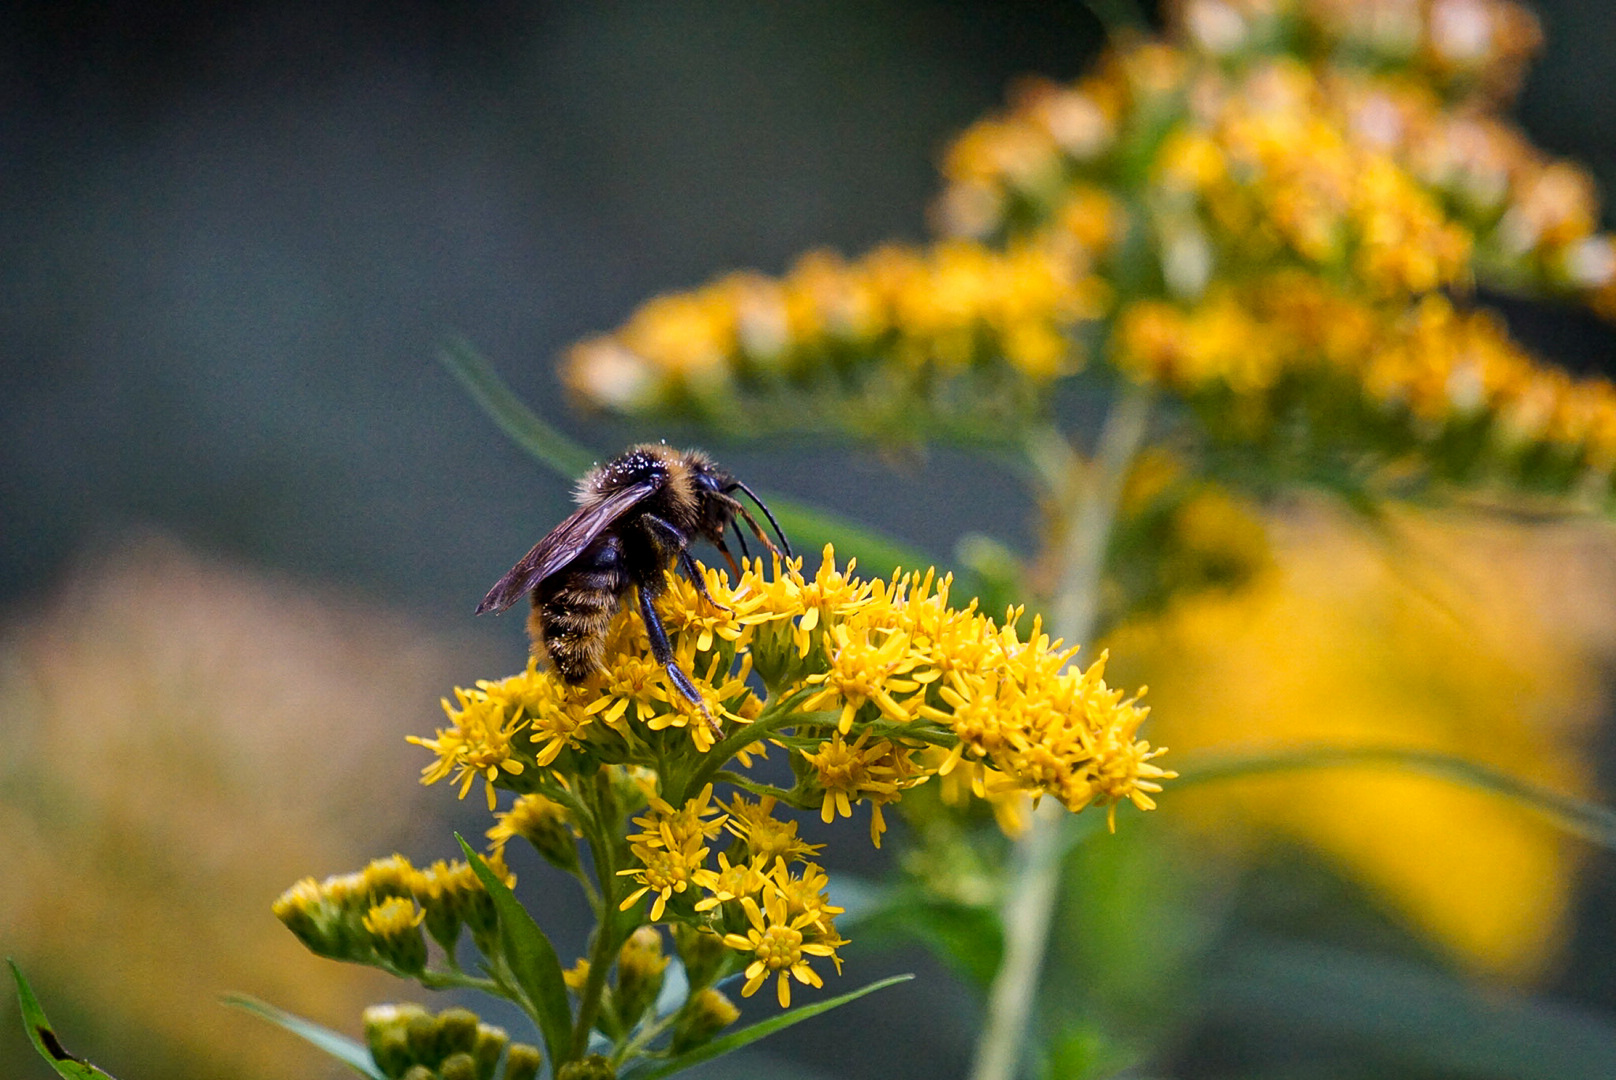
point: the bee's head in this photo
(711, 485)
(715, 488)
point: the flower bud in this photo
(522, 1062)
(419, 1072)
(306, 912)
(442, 917)
(491, 1042)
(708, 1013)
(577, 976)
(387, 1036)
(458, 1067)
(640, 964)
(392, 876)
(593, 1067)
(394, 926)
(421, 1033)
(472, 904)
(457, 1031)
(545, 824)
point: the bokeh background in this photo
(245, 515)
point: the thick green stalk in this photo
(603, 948)
(1035, 866)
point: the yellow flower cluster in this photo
(375, 915)
(751, 900)
(1362, 137)
(872, 670)
(1272, 192)
(1445, 388)
(873, 686)
(1472, 51)
(958, 327)
(1254, 170)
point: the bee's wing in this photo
(564, 544)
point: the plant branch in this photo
(1090, 510)
(603, 949)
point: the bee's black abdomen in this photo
(572, 609)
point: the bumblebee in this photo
(637, 515)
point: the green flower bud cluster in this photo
(408, 1043)
(376, 915)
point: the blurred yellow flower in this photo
(187, 706)
(1457, 634)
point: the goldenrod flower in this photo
(775, 942)
(394, 926)
(804, 895)
(866, 670)
(692, 823)
(544, 823)
(729, 881)
(955, 327)
(849, 771)
(661, 871)
(671, 849)
(767, 837)
(874, 685)
(477, 744)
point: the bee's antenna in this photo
(777, 530)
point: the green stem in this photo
(1035, 865)
(645, 1036)
(1592, 822)
(458, 980)
(604, 947)
(774, 717)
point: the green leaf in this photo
(348, 1051)
(514, 418)
(43, 1036)
(746, 1036)
(1411, 1017)
(968, 939)
(1592, 822)
(531, 960)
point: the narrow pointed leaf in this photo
(738, 1039)
(1591, 821)
(43, 1036)
(514, 418)
(531, 959)
(350, 1052)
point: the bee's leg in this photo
(676, 540)
(689, 563)
(662, 652)
(724, 548)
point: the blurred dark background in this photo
(233, 236)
